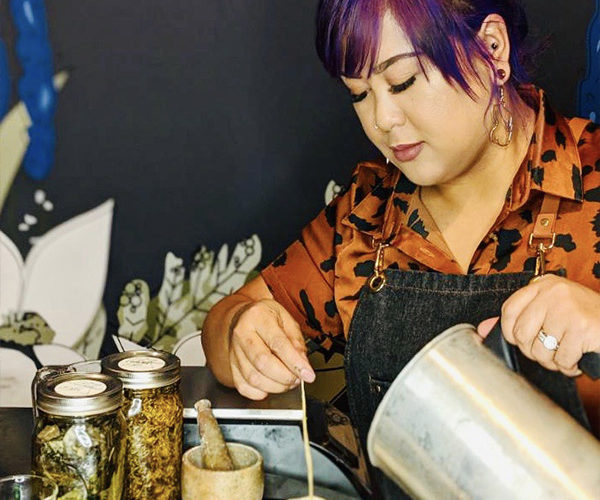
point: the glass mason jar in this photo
(154, 413)
(79, 435)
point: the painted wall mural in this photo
(4, 79)
(172, 321)
(36, 87)
(51, 304)
(127, 195)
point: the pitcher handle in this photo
(496, 342)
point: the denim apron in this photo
(390, 326)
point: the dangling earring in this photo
(387, 161)
(499, 112)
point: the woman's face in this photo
(432, 131)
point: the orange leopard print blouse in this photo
(319, 277)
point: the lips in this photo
(407, 152)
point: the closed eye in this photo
(396, 89)
(354, 98)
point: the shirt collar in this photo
(552, 165)
(371, 210)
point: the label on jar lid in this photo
(141, 364)
(80, 388)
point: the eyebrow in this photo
(381, 67)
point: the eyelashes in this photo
(354, 98)
(394, 89)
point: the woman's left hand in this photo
(566, 310)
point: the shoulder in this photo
(589, 142)
(589, 154)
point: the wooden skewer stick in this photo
(214, 450)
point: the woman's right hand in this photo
(267, 353)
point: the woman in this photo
(471, 154)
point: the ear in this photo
(494, 36)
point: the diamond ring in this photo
(550, 342)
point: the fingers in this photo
(512, 309)
(282, 347)
(525, 330)
(485, 327)
(528, 322)
(254, 378)
(283, 337)
(291, 328)
(267, 351)
(243, 387)
(540, 353)
(548, 305)
(259, 357)
(568, 354)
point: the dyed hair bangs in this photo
(445, 31)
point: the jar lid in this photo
(143, 369)
(79, 394)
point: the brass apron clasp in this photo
(377, 280)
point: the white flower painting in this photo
(51, 303)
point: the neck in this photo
(486, 181)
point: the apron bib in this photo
(390, 326)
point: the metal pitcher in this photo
(457, 423)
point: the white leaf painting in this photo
(16, 373)
(127, 345)
(189, 350)
(65, 273)
(62, 280)
(171, 289)
(133, 310)
(55, 354)
(332, 190)
(177, 314)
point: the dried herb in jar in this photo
(79, 436)
(154, 442)
(154, 414)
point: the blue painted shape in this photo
(589, 88)
(4, 81)
(36, 88)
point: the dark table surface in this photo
(254, 422)
(16, 424)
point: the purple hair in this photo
(442, 30)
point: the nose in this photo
(388, 113)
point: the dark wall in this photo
(209, 121)
(562, 65)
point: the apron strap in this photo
(545, 222)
